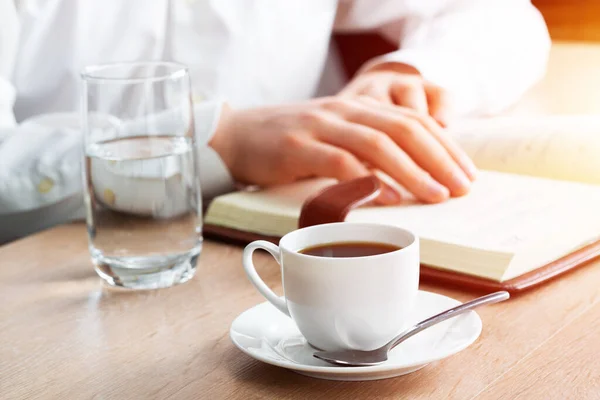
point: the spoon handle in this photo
(444, 315)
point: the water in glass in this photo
(149, 237)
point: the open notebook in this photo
(535, 203)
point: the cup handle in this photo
(258, 283)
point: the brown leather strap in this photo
(333, 203)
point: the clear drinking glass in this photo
(142, 190)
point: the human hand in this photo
(402, 85)
(342, 139)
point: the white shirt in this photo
(486, 53)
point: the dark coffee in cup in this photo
(349, 249)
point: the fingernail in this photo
(390, 196)
(442, 118)
(439, 191)
(470, 169)
(462, 183)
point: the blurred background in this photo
(572, 82)
(571, 20)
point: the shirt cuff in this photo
(443, 69)
(215, 178)
(40, 163)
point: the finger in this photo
(388, 196)
(438, 102)
(379, 93)
(457, 154)
(455, 151)
(381, 152)
(419, 144)
(409, 94)
(314, 158)
(322, 159)
(334, 162)
(391, 191)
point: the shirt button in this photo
(45, 185)
(109, 197)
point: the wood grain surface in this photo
(65, 335)
(569, 359)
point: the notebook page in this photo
(504, 214)
(558, 147)
(273, 211)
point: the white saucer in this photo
(267, 335)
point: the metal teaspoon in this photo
(359, 358)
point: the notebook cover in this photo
(334, 203)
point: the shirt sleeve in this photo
(486, 54)
(41, 177)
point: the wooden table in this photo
(65, 335)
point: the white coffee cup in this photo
(343, 303)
